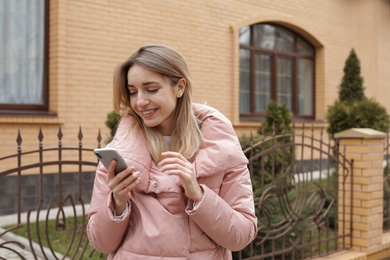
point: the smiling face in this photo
(153, 98)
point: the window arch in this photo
(277, 64)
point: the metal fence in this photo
(297, 181)
(51, 186)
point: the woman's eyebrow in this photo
(145, 83)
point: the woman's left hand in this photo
(177, 165)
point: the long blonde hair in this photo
(167, 62)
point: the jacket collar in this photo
(220, 149)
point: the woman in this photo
(187, 192)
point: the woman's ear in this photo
(181, 86)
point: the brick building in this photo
(298, 49)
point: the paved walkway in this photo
(9, 255)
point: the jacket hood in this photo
(220, 148)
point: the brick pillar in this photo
(365, 146)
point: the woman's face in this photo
(153, 98)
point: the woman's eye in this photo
(132, 93)
(153, 90)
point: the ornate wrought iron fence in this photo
(62, 180)
(297, 180)
(298, 183)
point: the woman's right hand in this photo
(121, 185)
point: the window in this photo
(275, 64)
(23, 55)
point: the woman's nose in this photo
(142, 100)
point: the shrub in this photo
(278, 121)
(359, 114)
(353, 109)
(112, 122)
(351, 88)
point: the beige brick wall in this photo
(88, 38)
(362, 189)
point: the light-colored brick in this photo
(88, 39)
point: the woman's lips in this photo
(148, 113)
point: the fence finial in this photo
(99, 138)
(19, 139)
(59, 135)
(80, 135)
(40, 135)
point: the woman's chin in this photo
(150, 124)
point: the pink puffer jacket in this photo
(161, 223)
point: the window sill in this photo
(28, 117)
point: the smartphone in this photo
(106, 155)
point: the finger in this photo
(123, 179)
(178, 173)
(173, 154)
(125, 173)
(132, 178)
(115, 180)
(111, 170)
(173, 160)
(134, 184)
(174, 166)
(128, 185)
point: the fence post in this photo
(365, 146)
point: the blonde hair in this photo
(167, 62)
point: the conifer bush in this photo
(351, 88)
(112, 122)
(353, 109)
(277, 122)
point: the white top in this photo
(167, 140)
